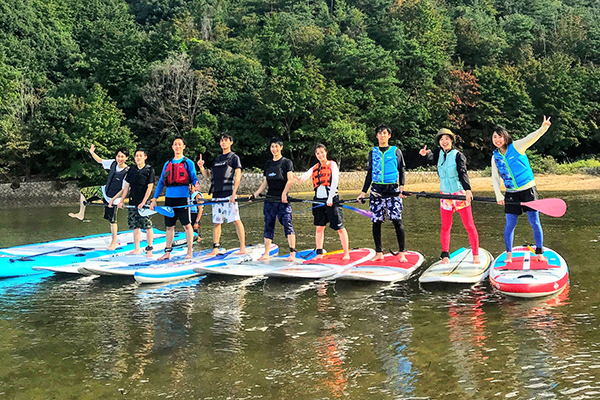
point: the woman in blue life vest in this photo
(511, 166)
(452, 170)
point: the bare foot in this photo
(378, 257)
(402, 259)
(541, 258)
(79, 215)
(149, 254)
(133, 252)
(242, 251)
(189, 255)
(264, 257)
(319, 257)
(476, 260)
(166, 256)
(346, 257)
(214, 252)
(445, 260)
(291, 257)
(112, 246)
(198, 239)
(508, 260)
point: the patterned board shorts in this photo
(136, 221)
(225, 212)
(380, 206)
(454, 205)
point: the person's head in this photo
(226, 141)
(276, 145)
(121, 155)
(178, 145)
(445, 138)
(500, 137)
(321, 152)
(383, 133)
(140, 157)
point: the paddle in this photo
(29, 258)
(553, 207)
(146, 211)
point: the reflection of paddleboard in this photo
(256, 268)
(188, 268)
(527, 277)
(387, 270)
(329, 265)
(460, 269)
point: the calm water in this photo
(212, 338)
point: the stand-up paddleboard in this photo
(186, 268)
(119, 260)
(460, 269)
(527, 277)
(254, 267)
(330, 264)
(387, 270)
(20, 260)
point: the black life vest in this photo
(114, 183)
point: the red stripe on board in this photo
(530, 287)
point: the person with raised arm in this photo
(278, 177)
(176, 176)
(325, 176)
(511, 166)
(452, 171)
(385, 177)
(225, 177)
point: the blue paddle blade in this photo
(165, 210)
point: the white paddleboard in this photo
(527, 277)
(460, 268)
(387, 270)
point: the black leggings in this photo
(398, 226)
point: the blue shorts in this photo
(280, 211)
(380, 206)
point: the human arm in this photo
(401, 176)
(288, 185)
(463, 176)
(120, 194)
(496, 182)
(335, 179)
(428, 156)
(305, 176)
(237, 179)
(261, 188)
(192, 171)
(522, 145)
(368, 178)
(94, 155)
(205, 172)
(159, 188)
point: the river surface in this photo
(213, 338)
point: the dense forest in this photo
(140, 72)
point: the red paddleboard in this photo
(390, 269)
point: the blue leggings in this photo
(534, 221)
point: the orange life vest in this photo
(321, 175)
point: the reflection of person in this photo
(176, 176)
(385, 177)
(278, 178)
(138, 185)
(325, 177)
(117, 170)
(511, 165)
(452, 170)
(196, 197)
(225, 175)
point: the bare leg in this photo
(216, 238)
(241, 234)
(149, 240)
(292, 242)
(114, 228)
(508, 257)
(345, 243)
(137, 235)
(189, 237)
(169, 242)
(319, 239)
(79, 215)
(402, 257)
(266, 256)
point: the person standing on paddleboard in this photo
(325, 177)
(278, 179)
(511, 165)
(225, 176)
(385, 177)
(176, 176)
(452, 171)
(139, 183)
(117, 171)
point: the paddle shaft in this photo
(29, 258)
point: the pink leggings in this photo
(467, 219)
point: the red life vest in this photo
(176, 174)
(321, 175)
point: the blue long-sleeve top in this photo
(177, 191)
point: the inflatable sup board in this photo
(460, 269)
(387, 270)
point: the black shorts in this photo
(110, 214)
(519, 197)
(183, 214)
(332, 215)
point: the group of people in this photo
(384, 181)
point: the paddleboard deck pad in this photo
(460, 268)
(330, 264)
(527, 277)
(389, 269)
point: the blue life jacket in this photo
(385, 166)
(446, 168)
(513, 167)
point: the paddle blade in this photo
(146, 212)
(165, 210)
(364, 213)
(553, 207)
